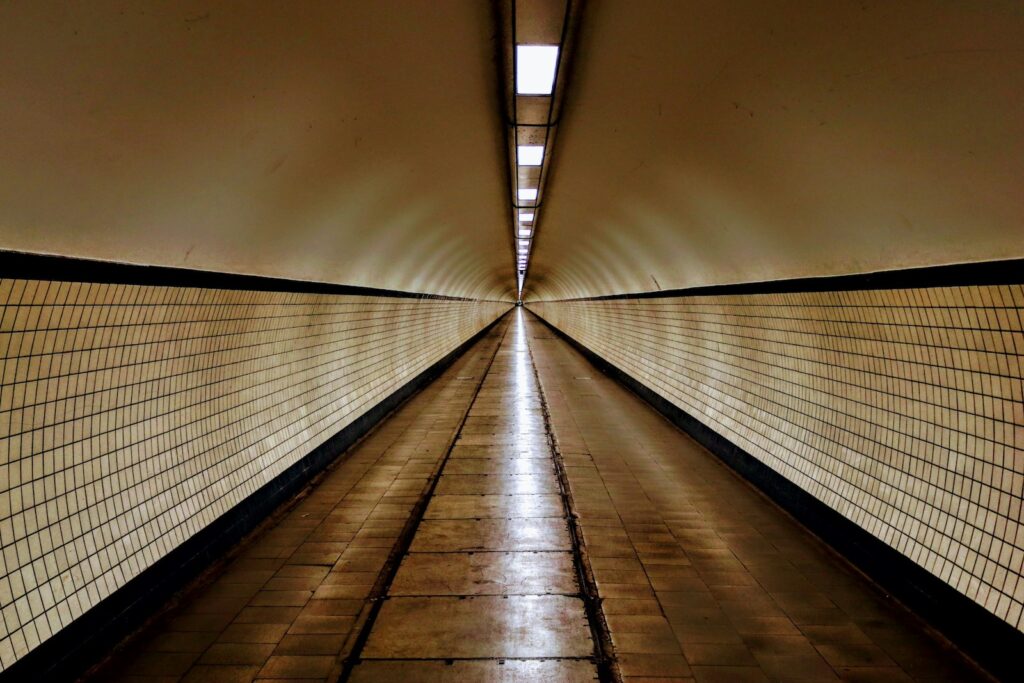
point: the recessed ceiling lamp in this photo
(535, 69)
(530, 155)
(526, 216)
(527, 194)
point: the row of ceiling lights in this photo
(538, 38)
(536, 66)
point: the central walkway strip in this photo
(489, 588)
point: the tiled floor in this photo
(700, 577)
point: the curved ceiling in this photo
(701, 143)
(735, 141)
(356, 143)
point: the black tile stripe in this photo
(999, 272)
(29, 266)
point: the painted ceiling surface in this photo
(348, 142)
(740, 140)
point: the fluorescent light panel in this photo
(530, 155)
(527, 194)
(535, 69)
(525, 216)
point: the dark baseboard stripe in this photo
(990, 641)
(26, 266)
(87, 640)
(1008, 272)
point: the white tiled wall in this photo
(902, 409)
(133, 416)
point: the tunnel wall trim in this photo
(980, 273)
(17, 265)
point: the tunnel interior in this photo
(510, 341)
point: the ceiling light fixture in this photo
(530, 155)
(535, 69)
(537, 39)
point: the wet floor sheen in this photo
(489, 574)
(440, 550)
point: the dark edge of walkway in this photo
(352, 652)
(73, 650)
(992, 643)
(604, 650)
